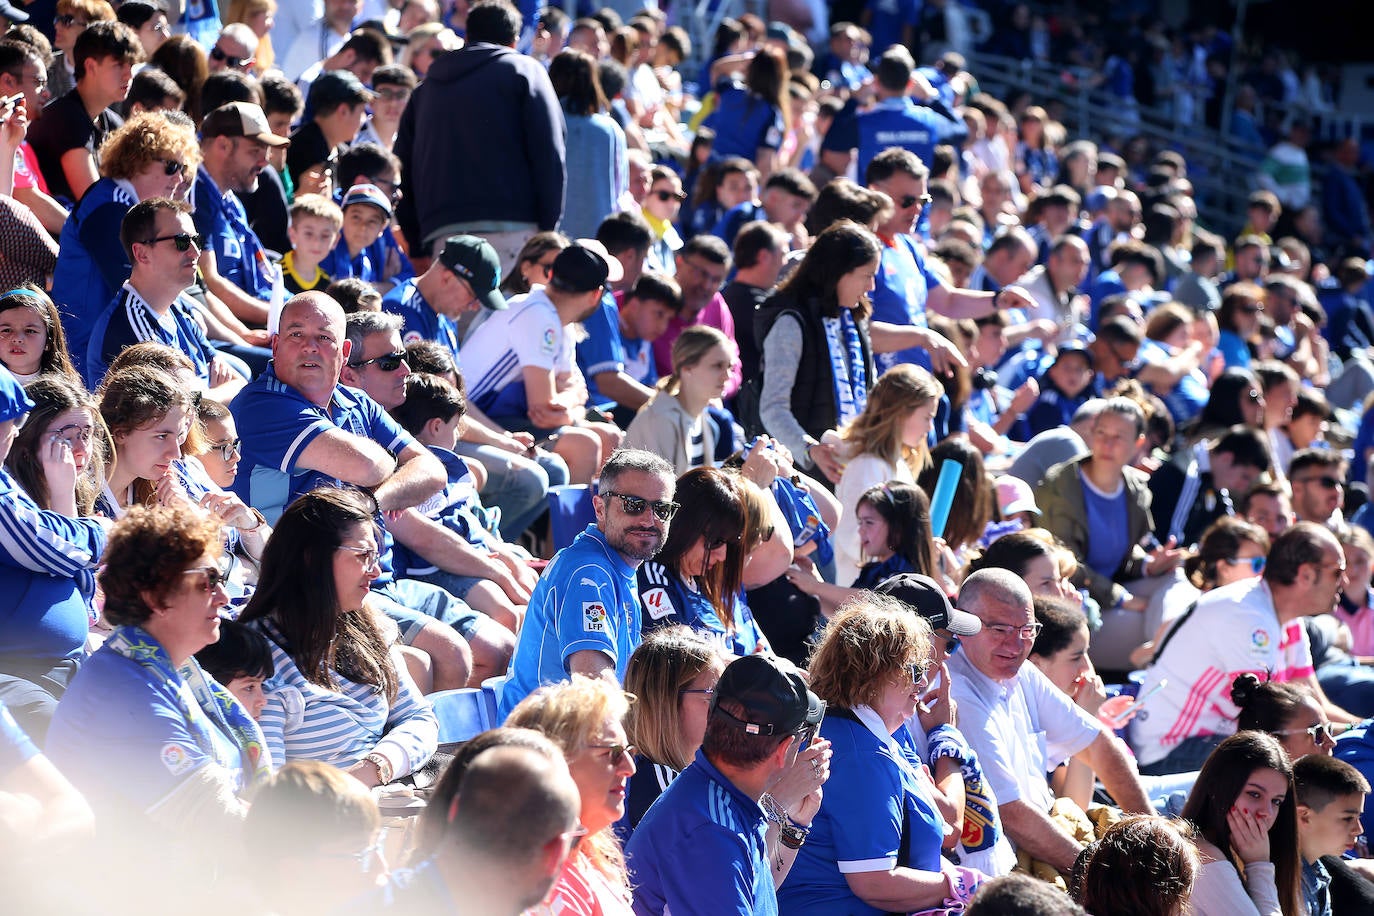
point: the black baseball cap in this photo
(775, 699)
(472, 258)
(922, 595)
(585, 265)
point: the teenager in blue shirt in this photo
(750, 117)
(583, 617)
(617, 355)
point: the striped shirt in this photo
(304, 721)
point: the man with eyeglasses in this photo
(302, 428)
(702, 848)
(1254, 625)
(1021, 725)
(584, 615)
(1318, 476)
(161, 241)
(234, 142)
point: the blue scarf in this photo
(847, 368)
(215, 706)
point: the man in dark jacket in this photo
(482, 143)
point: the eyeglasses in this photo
(387, 362)
(368, 555)
(718, 543)
(635, 505)
(73, 431)
(908, 201)
(1256, 563)
(618, 751)
(1320, 733)
(70, 21)
(215, 576)
(228, 450)
(183, 241)
(573, 836)
(546, 266)
(393, 95)
(226, 59)
(666, 196)
(172, 167)
(1339, 568)
(920, 673)
(1027, 632)
(391, 187)
(1329, 483)
(707, 692)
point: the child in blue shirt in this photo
(366, 216)
(1065, 386)
(435, 412)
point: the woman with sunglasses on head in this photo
(148, 737)
(875, 845)
(672, 676)
(585, 718)
(32, 341)
(341, 693)
(695, 579)
(150, 156)
(1245, 811)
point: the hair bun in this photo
(1243, 689)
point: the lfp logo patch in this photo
(175, 759)
(594, 618)
(1260, 639)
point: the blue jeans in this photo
(1190, 755)
(412, 604)
(517, 485)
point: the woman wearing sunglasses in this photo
(660, 209)
(697, 575)
(150, 156)
(341, 693)
(875, 845)
(150, 739)
(585, 719)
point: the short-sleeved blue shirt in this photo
(239, 255)
(700, 850)
(876, 814)
(601, 350)
(744, 123)
(586, 599)
(903, 283)
(422, 322)
(129, 320)
(456, 507)
(901, 122)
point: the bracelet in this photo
(792, 836)
(995, 297)
(773, 811)
(262, 520)
(385, 772)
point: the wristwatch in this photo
(385, 772)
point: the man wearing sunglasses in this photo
(234, 142)
(1021, 725)
(162, 244)
(1318, 477)
(234, 49)
(583, 616)
(1255, 625)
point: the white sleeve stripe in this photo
(289, 458)
(33, 545)
(859, 866)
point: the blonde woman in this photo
(258, 15)
(585, 718)
(886, 442)
(674, 422)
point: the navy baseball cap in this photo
(775, 700)
(922, 595)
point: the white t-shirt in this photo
(1233, 631)
(528, 333)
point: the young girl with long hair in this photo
(32, 341)
(62, 413)
(675, 422)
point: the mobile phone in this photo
(1140, 699)
(13, 99)
(813, 731)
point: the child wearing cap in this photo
(366, 215)
(314, 229)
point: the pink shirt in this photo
(716, 314)
(1361, 624)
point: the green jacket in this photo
(1065, 515)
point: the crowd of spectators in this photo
(841, 490)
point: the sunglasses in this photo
(920, 672)
(718, 543)
(1329, 483)
(387, 362)
(707, 692)
(1320, 733)
(70, 21)
(635, 505)
(910, 200)
(229, 450)
(393, 95)
(215, 576)
(1252, 309)
(182, 240)
(666, 196)
(618, 751)
(368, 555)
(171, 167)
(1256, 563)
(223, 58)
